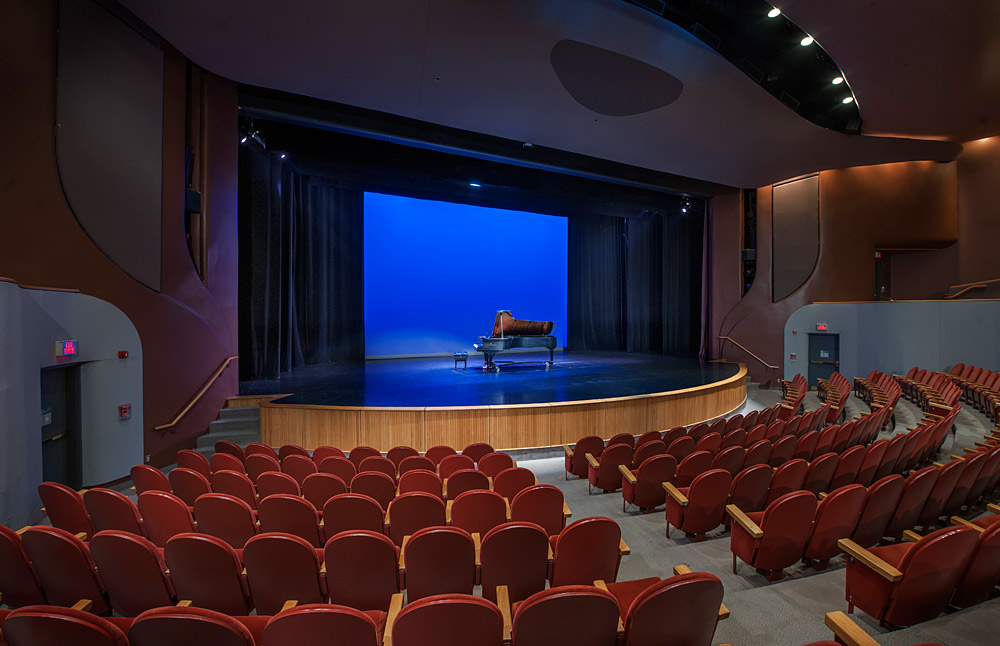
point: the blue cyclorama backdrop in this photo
(437, 272)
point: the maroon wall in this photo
(187, 329)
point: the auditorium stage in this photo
(423, 402)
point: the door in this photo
(824, 356)
(60, 425)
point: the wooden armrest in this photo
(385, 521)
(847, 631)
(184, 603)
(956, 457)
(684, 569)
(322, 568)
(937, 464)
(132, 488)
(507, 505)
(444, 488)
(592, 461)
(83, 604)
(447, 511)
(489, 481)
(289, 604)
(955, 520)
(551, 556)
(603, 586)
(395, 605)
(82, 535)
(785, 406)
(623, 548)
(627, 474)
(402, 553)
(994, 508)
(821, 495)
(566, 511)
(866, 558)
(968, 450)
(479, 544)
(674, 493)
(911, 536)
(569, 451)
(744, 521)
(23, 529)
(503, 602)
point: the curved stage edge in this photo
(505, 427)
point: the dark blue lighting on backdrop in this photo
(437, 272)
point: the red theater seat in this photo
(362, 569)
(699, 508)
(299, 467)
(164, 515)
(775, 538)
(236, 484)
(543, 505)
(603, 473)
(132, 571)
(477, 450)
(836, 518)
(350, 511)
(672, 434)
(983, 571)
(693, 465)
(783, 450)
(420, 480)
(226, 461)
(417, 463)
(452, 463)
(257, 448)
(437, 453)
(493, 463)
(375, 485)
(588, 550)
(258, 463)
(805, 445)
(948, 475)
(191, 626)
(208, 572)
(682, 609)
(880, 505)
(648, 436)
(698, 431)
(729, 458)
(18, 582)
(622, 438)
(515, 554)
(316, 623)
(286, 450)
(188, 485)
(282, 567)
(448, 620)
(65, 508)
(230, 448)
(644, 488)
(820, 473)
(847, 467)
(510, 482)
(275, 482)
(581, 615)
(55, 626)
(64, 567)
(750, 487)
(734, 438)
(916, 489)
(478, 511)
(339, 466)
(869, 466)
(465, 480)
(227, 518)
(787, 478)
(109, 509)
(757, 453)
(293, 515)
(411, 512)
(682, 447)
(317, 488)
(576, 458)
(907, 583)
(399, 453)
(712, 442)
(359, 453)
(438, 560)
(188, 459)
(379, 464)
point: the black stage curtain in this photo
(301, 297)
(635, 284)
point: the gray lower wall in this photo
(894, 336)
(31, 321)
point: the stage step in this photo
(240, 425)
(240, 412)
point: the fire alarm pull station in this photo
(125, 411)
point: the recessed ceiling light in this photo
(848, 99)
(838, 80)
(774, 13)
(805, 42)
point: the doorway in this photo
(60, 425)
(824, 356)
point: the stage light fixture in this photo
(243, 140)
(283, 155)
(848, 99)
(805, 42)
(838, 80)
(474, 185)
(774, 13)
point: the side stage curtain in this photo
(596, 290)
(644, 282)
(682, 280)
(301, 267)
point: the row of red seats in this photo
(792, 394)
(980, 387)
(835, 392)
(357, 568)
(878, 390)
(933, 392)
(785, 531)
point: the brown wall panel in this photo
(523, 426)
(456, 427)
(571, 422)
(310, 427)
(384, 429)
(626, 416)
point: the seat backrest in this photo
(510, 482)
(783, 450)
(805, 445)
(410, 512)
(191, 625)
(323, 452)
(132, 571)
(730, 459)
(648, 436)
(399, 453)
(437, 453)
(847, 467)
(361, 569)
(225, 517)
(315, 623)
(991, 467)
(587, 551)
(300, 466)
(417, 463)
(478, 511)
(757, 453)
(843, 437)
(236, 484)
(188, 459)
(789, 477)
(698, 431)
(286, 450)
(869, 466)
(734, 422)
(786, 524)
(350, 511)
(621, 438)
(672, 434)
(892, 452)
(448, 620)
(755, 434)
(711, 442)
(916, 489)
(750, 487)
(64, 567)
(514, 554)
(207, 571)
(477, 450)
(836, 518)
(982, 572)
(777, 429)
(555, 616)
(281, 567)
(681, 447)
(682, 609)
(109, 509)
(55, 626)
(230, 448)
(164, 515)
(188, 484)
(258, 448)
(290, 515)
(439, 560)
(465, 480)
(275, 482)
(750, 418)
(359, 453)
(493, 463)
(948, 475)
(657, 469)
(820, 473)
(452, 463)
(65, 509)
(973, 465)
(540, 504)
(735, 437)
(18, 582)
(317, 488)
(880, 503)
(707, 496)
(420, 480)
(375, 485)
(691, 466)
(258, 463)
(220, 461)
(339, 466)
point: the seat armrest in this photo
(507, 505)
(627, 474)
(847, 631)
(994, 508)
(447, 511)
(955, 520)
(186, 603)
(566, 511)
(477, 541)
(623, 548)
(603, 586)
(869, 560)
(674, 493)
(395, 605)
(592, 461)
(444, 488)
(82, 535)
(503, 602)
(911, 536)
(83, 604)
(402, 553)
(744, 521)
(288, 605)
(23, 529)
(569, 451)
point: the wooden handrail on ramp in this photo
(742, 347)
(194, 400)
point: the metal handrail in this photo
(194, 400)
(742, 347)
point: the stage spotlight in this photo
(243, 140)
(805, 42)
(474, 185)
(283, 155)
(774, 13)
(848, 99)
(838, 80)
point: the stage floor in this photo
(575, 376)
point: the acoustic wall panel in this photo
(795, 233)
(109, 135)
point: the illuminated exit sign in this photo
(66, 348)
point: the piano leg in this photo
(488, 362)
(552, 356)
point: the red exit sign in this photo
(821, 327)
(66, 348)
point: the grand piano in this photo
(509, 333)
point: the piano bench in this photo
(464, 358)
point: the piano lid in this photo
(506, 325)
